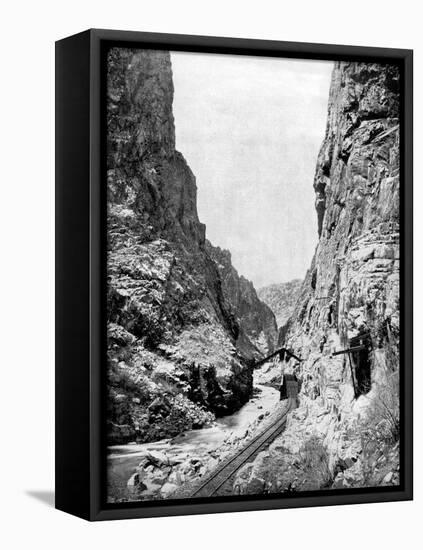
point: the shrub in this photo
(314, 458)
(383, 416)
(283, 471)
(380, 431)
(392, 349)
(168, 386)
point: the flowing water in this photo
(122, 460)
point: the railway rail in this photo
(217, 479)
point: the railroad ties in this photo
(230, 466)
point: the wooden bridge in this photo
(282, 352)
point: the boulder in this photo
(388, 478)
(168, 489)
(133, 481)
(156, 458)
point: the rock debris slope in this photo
(181, 338)
(345, 432)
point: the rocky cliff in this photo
(346, 428)
(181, 342)
(281, 299)
(256, 319)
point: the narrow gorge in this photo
(188, 335)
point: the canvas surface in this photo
(252, 275)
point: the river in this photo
(122, 460)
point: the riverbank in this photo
(155, 470)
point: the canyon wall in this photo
(257, 320)
(181, 341)
(281, 298)
(348, 417)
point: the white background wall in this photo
(28, 32)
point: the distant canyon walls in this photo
(281, 298)
(183, 328)
(256, 318)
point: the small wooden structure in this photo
(359, 359)
(289, 387)
(282, 352)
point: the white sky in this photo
(250, 128)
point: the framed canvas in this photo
(233, 274)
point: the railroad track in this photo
(229, 467)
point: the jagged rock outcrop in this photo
(351, 290)
(256, 320)
(178, 347)
(281, 298)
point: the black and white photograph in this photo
(253, 275)
(210, 236)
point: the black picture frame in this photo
(80, 269)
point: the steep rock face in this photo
(176, 345)
(351, 291)
(353, 283)
(281, 298)
(256, 320)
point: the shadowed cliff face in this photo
(257, 321)
(179, 344)
(351, 289)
